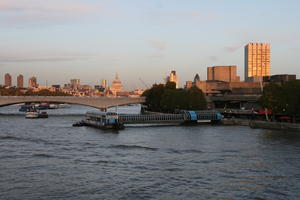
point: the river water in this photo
(50, 159)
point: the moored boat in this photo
(31, 114)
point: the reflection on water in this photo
(50, 159)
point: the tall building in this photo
(32, 82)
(20, 81)
(173, 78)
(7, 80)
(257, 61)
(75, 83)
(104, 83)
(222, 73)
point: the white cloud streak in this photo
(158, 44)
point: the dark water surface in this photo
(50, 159)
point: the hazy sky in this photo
(57, 40)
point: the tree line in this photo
(20, 92)
(166, 98)
(282, 99)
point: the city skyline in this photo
(92, 40)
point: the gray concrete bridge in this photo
(96, 102)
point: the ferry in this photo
(103, 120)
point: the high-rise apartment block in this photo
(173, 78)
(20, 81)
(257, 61)
(32, 82)
(222, 73)
(7, 80)
(75, 83)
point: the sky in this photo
(57, 40)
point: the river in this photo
(50, 159)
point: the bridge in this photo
(96, 102)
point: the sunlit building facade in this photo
(257, 61)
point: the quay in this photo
(262, 124)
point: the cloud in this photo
(42, 57)
(232, 48)
(158, 44)
(36, 11)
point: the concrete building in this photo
(257, 61)
(222, 87)
(75, 83)
(33, 82)
(223, 73)
(173, 78)
(7, 80)
(20, 81)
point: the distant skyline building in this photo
(20, 81)
(104, 83)
(75, 83)
(33, 82)
(116, 86)
(257, 61)
(7, 80)
(223, 73)
(173, 78)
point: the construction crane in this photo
(144, 83)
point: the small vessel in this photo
(31, 114)
(64, 105)
(53, 106)
(25, 108)
(43, 115)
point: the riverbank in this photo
(262, 124)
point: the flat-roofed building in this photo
(257, 61)
(223, 73)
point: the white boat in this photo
(31, 114)
(53, 106)
(64, 105)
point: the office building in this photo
(20, 81)
(257, 61)
(223, 73)
(32, 82)
(7, 80)
(173, 78)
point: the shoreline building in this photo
(33, 82)
(173, 78)
(223, 73)
(7, 80)
(20, 81)
(257, 61)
